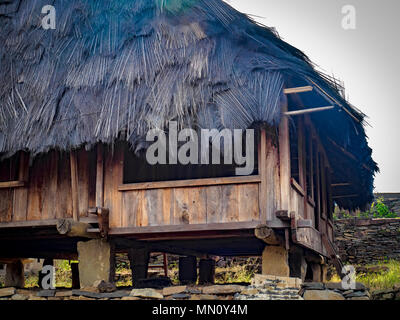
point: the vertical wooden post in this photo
(187, 269)
(318, 187)
(75, 275)
(74, 185)
(284, 159)
(15, 274)
(139, 262)
(206, 271)
(100, 177)
(20, 201)
(262, 198)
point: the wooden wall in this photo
(46, 191)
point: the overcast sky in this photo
(366, 59)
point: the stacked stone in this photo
(388, 294)
(365, 241)
(262, 288)
(333, 291)
(266, 287)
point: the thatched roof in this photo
(112, 69)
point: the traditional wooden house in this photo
(77, 101)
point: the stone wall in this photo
(392, 200)
(363, 241)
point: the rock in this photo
(322, 295)
(33, 297)
(180, 296)
(19, 297)
(94, 261)
(46, 293)
(355, 294)
(222, 289)
(359, 298)
(207, 297)
(396, 287)
(64, 293)
(6, 292)
(146, 293)
(249, 292)
(275, 261)
(103, 286)
(338, 286)
(397, 296)
(193, 290)
(99, 295)
(155, 283)
(388, 296)
(130, 298)
(168, 291)
(313, 286)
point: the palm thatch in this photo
(112, 69)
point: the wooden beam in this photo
(29, 224)
(73, 228)
(185, 228)
(297, 187)
(268, 235)
(100, 176)
(262, 167)
(74, 185)
(304, 111)
(346, 196)
(344, 184)
(284, 161)
(12, 184)
(297, 90)
(190, 183)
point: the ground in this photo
(379, 277)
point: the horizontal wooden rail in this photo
(297, 187)
(12, 184)
(298, 90)
(190, 183)
(185, 228)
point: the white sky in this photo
(366, 59)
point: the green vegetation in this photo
(378, 209)
(382, 280)
(386, 276)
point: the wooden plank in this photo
(298, 188)
(284, 160)
(181, 207)
(168, 208)
(197, 205)
(12, 184)
(248, 204)
(100, 176)
(74, 185)
(113, 176)
(29, 224)
(20, 203)
(262, 170)
(306, 111)
(130, 206)
(214, 204)
(229, 203)
(153, 203)
(185, 228)
(49, 192)
(323, 187)
(318, 185)
(189, 183)
(297, 90)
(6, 205)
